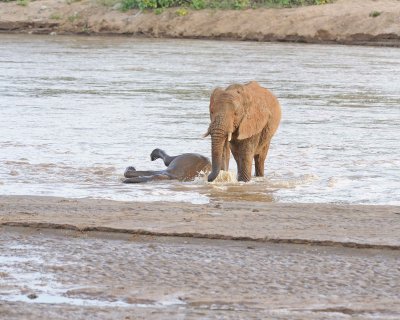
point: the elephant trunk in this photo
(218, 139)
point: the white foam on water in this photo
(290, 182)
(223, 177)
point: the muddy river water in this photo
(75, 111)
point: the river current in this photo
(75, 111)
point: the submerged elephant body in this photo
(185, 167)
(244, 119)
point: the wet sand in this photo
(97, 258)
(323, 224)
(86, 276)
(344, 21)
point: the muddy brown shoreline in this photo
(353, 226)
(358, 22)
(108, 276)
(64, 258)
(192, 235)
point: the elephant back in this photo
(187, 166)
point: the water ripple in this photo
(76, 111)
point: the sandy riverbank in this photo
(327, 224)
(62, 274)
(89, 259)
(345, 22)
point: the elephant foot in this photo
(244, 178)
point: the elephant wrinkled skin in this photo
(244, 119)
(184, 167)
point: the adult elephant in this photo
(243, 119)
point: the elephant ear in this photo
(216, 94)
(254, 120)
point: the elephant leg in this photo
(259, 160)
(244, 162)
(243, 154)
(244, 168)
(156, 177)
(133, 173)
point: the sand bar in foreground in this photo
(89, 259)
(67, 274)
(320, 224)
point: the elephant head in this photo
(236, 114)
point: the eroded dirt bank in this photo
(345, 22)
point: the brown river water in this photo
(75, 111)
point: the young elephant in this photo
(184, 167)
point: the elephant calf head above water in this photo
(243, 120)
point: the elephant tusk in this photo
(229, 136)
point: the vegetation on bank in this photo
(19, 2)
(125, 5)
(212, 4)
